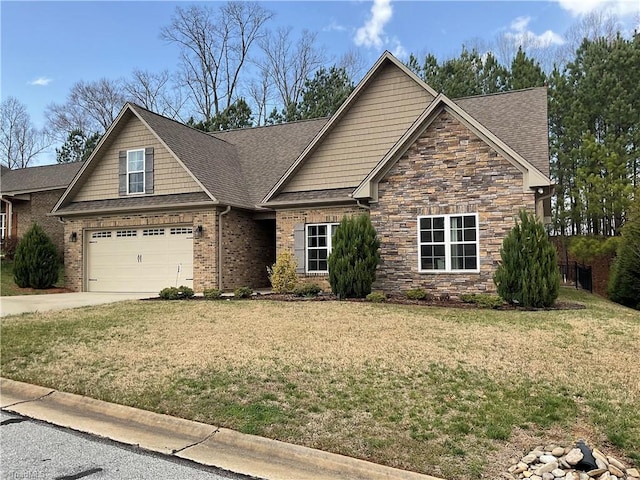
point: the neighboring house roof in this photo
(36, 179)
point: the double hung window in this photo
(135, 171)
(448, 243)
(319, 246)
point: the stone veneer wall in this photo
(287, 219)
(248, 248)
(447, 170)
(204, 249)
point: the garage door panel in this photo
(140, 260)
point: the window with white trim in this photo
(319, 246)
(448, 243)
(3, 225)
(135, 171)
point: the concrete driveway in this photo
(59, 301)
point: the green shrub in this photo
(36, 261)
(528, 274)
(282, 275)
(354, 257)
(308, 290)
(212, 293)
(624, 281)
(585, 249)
(243, 292)
(416, 294)
(482, 300)
(376, 297)
(176, 293)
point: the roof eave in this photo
(146, 208)
(308, 203)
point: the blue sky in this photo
(48, 46)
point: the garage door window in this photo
(152, 232)
(126, 233)
(101, 235)
(135, 171)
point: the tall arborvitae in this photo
(354, 258)
(624, 282)
(36, 261)
(528, 275)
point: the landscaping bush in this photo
(36, 261)
(282, 275)
(212, 293)
(176, 293)
(354, 257)
(528, 274)
(243, 292)
(376, 297)
(308, 290)
(624, 282)
(9, 246)
(482, 300)
(418, 294)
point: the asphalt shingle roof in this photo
(34, 179)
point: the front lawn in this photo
(449, 392)
(9, 288)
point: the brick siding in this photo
(35, 210)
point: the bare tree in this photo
(156, 92)
(289, 64)
(597, 24)
(214, 49)
(260, 95)
(91, 107)
(20, 141)
(354, 64)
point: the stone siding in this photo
(248, 248)
(204, 248)
(286, 220)
(447, 170)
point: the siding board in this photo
(377, 119)
(169, 176)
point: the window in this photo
(448, 243)
(319, 246)
(181, 231)
(101, 235)
(135, 171)
(126, 233)
(3, 225)
(152, 232)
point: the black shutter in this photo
(122, 173)
(148, 170)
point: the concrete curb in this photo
(198, 442)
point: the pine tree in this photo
(77, 148)
(526, 72)
(528, 274)
(36, 261)
(354, 257)
(624, 282)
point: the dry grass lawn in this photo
(452, 393)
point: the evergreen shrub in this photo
(528, 274)
(308, 290)
(354, 257)
(36, 261)
(212, 293)
(624, 280)
(243, 292)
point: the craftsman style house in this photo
(159, 203)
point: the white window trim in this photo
(3, 226)
(447, 244)
(307, 248)
(137, 171)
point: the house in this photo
(29, 194)
(160, 204)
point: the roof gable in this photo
(532, 177)
(344, 130)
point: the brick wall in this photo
(36, 210)
(248, 248)
(447, 170)
(287, 219)
(204, 248)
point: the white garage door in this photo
(139, 259)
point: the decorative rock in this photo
(616, 463)
(599, 455)
(596, 472)
(558, 472)
(529, 459)
(548, 459)
(547, 467)
(613, 470)
(601, 464)
(574, 456)
(527, 473)
(564, 464)
(549, 447)
(557, 452)
(632, 472)
(547, 476)
(584, 476)
(535, 477)
(605, 476)
(571, 476)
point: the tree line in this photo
(234, 72)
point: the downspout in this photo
(8, 217)
(220, 245)
(366, 207)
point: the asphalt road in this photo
(31, 449)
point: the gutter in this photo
(220, 257)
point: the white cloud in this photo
(520, 35)
(583, 7)
(334, 27)
(398, 50)
(41, 81)
(372, 33)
